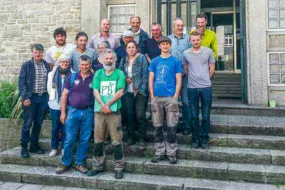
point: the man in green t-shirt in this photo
(108, 85)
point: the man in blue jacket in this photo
(33, 90)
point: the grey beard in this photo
(109, 68)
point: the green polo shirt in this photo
(209, 40)
(117, 76)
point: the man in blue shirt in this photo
(164, 88)
(180, 42)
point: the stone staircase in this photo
(247, 152)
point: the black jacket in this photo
(27, 78)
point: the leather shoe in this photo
(61, 169)
(119, 174)
(92, 173)
(186, 131)
(205, 145)
(36, 150)
(24, 153)
(194, 145)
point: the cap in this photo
(164, 39)
(128, 33)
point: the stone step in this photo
(106, 181)
(215, 154)
(225, 140)
(186, 168)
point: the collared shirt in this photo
(209, 40)
(152, 48)
(81, 96)
(179, 45)
(40, 83)
(98, 38)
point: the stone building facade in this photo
(263, 72)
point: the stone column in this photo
(144, 11)
(256, 52)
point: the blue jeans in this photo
(34, 116)
(186, 113)
(82, 120)
(200, 133)
(57, 126)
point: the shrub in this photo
(7, 90)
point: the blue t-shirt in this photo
(165, 70)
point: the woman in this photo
(56, 80)
(81, 40)
(135, 67)
(98, 63)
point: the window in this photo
(119, 16)
(276, 14)
(229, 40)
(276, 63)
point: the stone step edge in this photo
(105, 180)
(185, 168)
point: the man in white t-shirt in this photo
(61, 47)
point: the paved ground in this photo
(22, 186)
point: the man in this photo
(199, 64)
(80, 117)
(181, 42)
(151, 45)
(81, 49)
(61, 47)
(209, 38)
(164, 88)
(108, 82)
(33, 90)
(121, 52)
(104, 35)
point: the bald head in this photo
(105, 25)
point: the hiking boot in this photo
(172, 159)
(194, 145)
(119, 174)
(61, 169)
(24, 153)
(93, 173)
(157, 158)
(81, 168)
(141, 145)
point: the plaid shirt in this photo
(40, 83)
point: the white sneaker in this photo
(62, 152)
(53, 153)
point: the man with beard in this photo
(108, 85)
(61, 47)
(209, 38)
(104, 35)
(181, 42)
(78, 94)
(152, 49)
(199, 65)
(81, 49)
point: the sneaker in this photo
(119, 174)
(24, 153)
(81, 168)
(172, 159)
(194, 145)
(205, 145)
(93, 173)
(141, 145)
(61, 169)
(157, 158)
(53, 153)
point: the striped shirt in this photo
(40, 83)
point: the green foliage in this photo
(7, 98)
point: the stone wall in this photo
(23, 22)
(10, 133)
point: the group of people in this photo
(99, 85)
